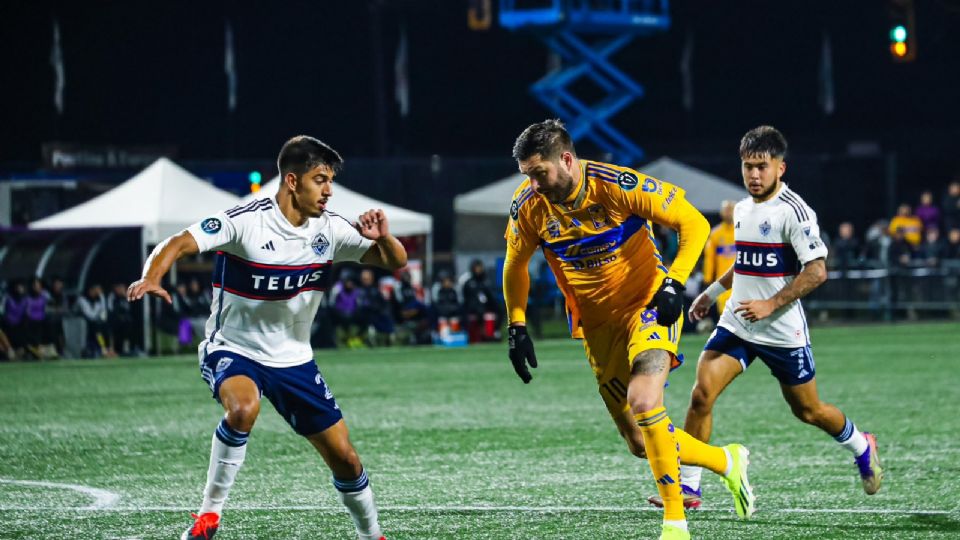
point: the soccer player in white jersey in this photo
(780, 259)
(273, 263)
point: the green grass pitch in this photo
(457, 447)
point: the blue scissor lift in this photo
(585, 34)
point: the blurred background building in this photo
(424, 98)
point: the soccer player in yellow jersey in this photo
(593, 222)
(721, 251)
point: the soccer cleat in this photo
(670, 532)
(737, 482)
(869, 465)
(691, 498)
(203, 528)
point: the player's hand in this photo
(755, 310)
(373, 225)
(668, 301)
(141, 287)
(521, 352)
(700, 307)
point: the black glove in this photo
(521, 352)
(668, 301)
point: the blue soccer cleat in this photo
(869, 466)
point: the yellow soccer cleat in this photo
(737, 482)
(674, 533)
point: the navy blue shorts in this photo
(790, 366)
(299, 393)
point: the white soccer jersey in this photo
(774, 240)
(269, 278)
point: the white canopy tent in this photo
(162, 200)
(704, 190)
(350, 204)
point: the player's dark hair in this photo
(303, 153)
(548, 138)
(763, 140)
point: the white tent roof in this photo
(704, 190)
(351, 204)
(163, 199)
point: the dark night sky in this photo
(152, 73)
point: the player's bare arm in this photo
(387, 251)
(813, 274)
(158, 264)
(701, 306)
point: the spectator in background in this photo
(120, 320)
(933, 249)
(344, 304)
(6, 348)
(910, 224)
(928, 213)
(877, 250)
(446, 301)
(951, 206)
(846, 253)
(34, 323)
(479, 304)
(952, 250)
(199, 298)
(93, 308)
(901, 251)
(411, 312)
(374, 310)
(14, 313)
(58, 307)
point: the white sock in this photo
(690, 476)
(360, 504)
(225, 461)
(851, 439)
(678, 524)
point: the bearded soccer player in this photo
(273, 262)
(780, 259)
(593, 221)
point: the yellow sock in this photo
(663, 453)
(696, 452)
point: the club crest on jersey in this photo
(627, 181)
(765, 227)
(553, 226)
(320, 244)
(598, 215)
(211, 225)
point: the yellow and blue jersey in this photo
(600, 243)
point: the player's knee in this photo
(808, 415)
(242, 414)
(701, 400)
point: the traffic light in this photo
(903, 39)
(255, 179)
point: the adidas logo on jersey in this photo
(268, 246)
(653, 336)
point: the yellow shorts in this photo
(611, 349)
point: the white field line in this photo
(102, 499)
(468, 508)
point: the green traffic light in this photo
(899, 33)
(255, 177)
